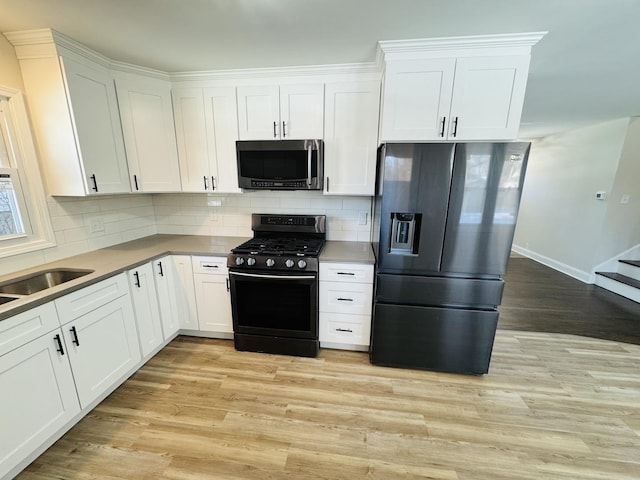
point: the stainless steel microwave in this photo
(280, 164)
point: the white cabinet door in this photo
(38, 398)
(258, 112)
(214, 303)
(167, 303)
(351, 137)
(191, 136)
(185, 292)
(221, 117)
(149, 133)
(487, 97)
(145, 305)
(417, 98)
(96, 120)
(301, 111)
(285, 112)
(103, 348)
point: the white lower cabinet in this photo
(102, 342)
(187, 313)
(213, 299)
(346, 296)
(145, 305)
(38, 395)
(167, 302)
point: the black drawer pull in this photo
(345, 299)
(59, 342)
(75, 336)
(348, 330)
(210, 266)
(346, 273)
(137, 282)
(161, 272)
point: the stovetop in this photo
(296, 246)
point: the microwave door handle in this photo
(309, 163)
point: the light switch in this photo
(625, 199)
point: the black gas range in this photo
(274, 285)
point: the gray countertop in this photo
(118, 258)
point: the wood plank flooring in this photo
(553, 406)
(556, 404)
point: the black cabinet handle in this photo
(346, 273)
(275, 135)
(213, 183)
(284, 129)
(206, 265)
(206, 185)
(228, 285)
(348, 330)
(95, 183)
(161, 272)
(59, 342)
(327, 184)
(444, 120)
(345, 299)
(455, 127)
(135, 181)
(75, 336)
(137, 282)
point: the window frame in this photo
(24, 162)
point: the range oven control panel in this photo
(273, 262)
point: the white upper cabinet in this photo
(461, 88)
(206, 123)
(351, 137)
(149, 135)
(280, 112)
(74, 110)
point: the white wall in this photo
(560, 222)
(196, 214)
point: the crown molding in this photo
(519, 43)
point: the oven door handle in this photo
(277, 277)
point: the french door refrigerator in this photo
(444, 220)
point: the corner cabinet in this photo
(206, 122)
(145, 305)
(73, 106)
(351, 137)
(165, 279)
(459, 88)
(280, 112)
(149, 134)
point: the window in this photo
(24, 220)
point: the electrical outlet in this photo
(362, 218)
(625, 199)
(96, 225)
(214, 203)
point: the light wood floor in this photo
(553, 406)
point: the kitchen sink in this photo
(4, 300)
(39, 281)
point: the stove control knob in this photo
(270, 262)
(289, 263)
(251, 261)
(302, 264)
(239, 261)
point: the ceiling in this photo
(585, 70)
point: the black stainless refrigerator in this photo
(444, 220)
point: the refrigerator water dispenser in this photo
(405, 230)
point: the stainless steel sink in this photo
(39, 281)
(4, 300)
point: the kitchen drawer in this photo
(210, 265)
(346, 329)
(83, 301)
(24, 327)
(346, 272)
(342, 297)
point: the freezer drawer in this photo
(431, 338)
(439, 291)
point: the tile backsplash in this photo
(84, 224)
(230, 215)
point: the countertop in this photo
(110, 261)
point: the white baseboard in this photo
(559, 266)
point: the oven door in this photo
(280, 304)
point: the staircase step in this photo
(635, 263)
(621, 284)
(630, 268)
